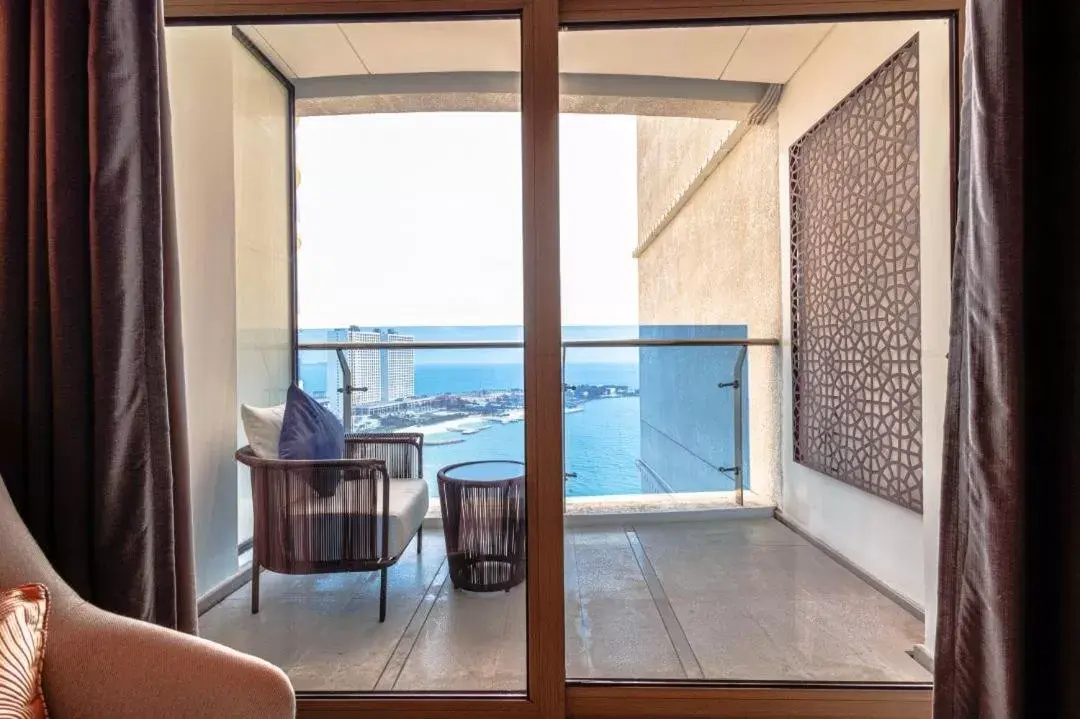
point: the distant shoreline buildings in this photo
(388, 374)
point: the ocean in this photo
(602, 445)
(602, 440)
(457, 378)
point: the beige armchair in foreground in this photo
(99, 664)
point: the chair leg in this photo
(254, 587)
(420, 539)
(382, 595)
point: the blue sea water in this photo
(602, 440)
(456, 378)
(602, 445)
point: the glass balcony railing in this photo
(677, 427)
(664, 413)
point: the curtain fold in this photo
(1008, 644)
(92, 443)
(977, 652)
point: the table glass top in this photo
(495, 471)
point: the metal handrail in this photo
(517, 344)
(737, 425)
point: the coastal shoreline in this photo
(473, 423)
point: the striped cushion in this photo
(23, 615)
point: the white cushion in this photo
(262, 425)
(408, 507)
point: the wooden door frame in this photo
(624, 701)
(604, 12)
(549, 694)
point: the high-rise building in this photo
(398, 368)
(365, 366)
(388, 375)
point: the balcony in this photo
(676, 563)
(729, 596)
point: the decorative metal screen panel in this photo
(855, 287)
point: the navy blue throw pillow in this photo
(310, 431)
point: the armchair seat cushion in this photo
(408, 507)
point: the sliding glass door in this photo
(263, 159)
(380, 242)
(743, 209)
(642, 321)
(409, 216)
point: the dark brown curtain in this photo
(1009, 592)
(92, 444)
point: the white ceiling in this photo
(759, 53)
(699, 52)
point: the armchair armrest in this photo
(322, 475)
(403, 452)
(99, 664)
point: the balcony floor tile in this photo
(719, 599)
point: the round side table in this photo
(483, 514)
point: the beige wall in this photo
(231, 188)
(717, 262)
(202, 133)
(671, 151)
(897, 546)
(262, 186)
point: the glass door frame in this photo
(549, 694)
(257, 55)
(538, 19)
(630, 699)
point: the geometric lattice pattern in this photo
(855, 287)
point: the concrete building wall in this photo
(717, 261)
(896, 545)
(226, 145)
(671, 150)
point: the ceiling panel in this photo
(252, 33)
(772, 53)
(454, 46)
(760, 53)
(700, 52)
(313, 50)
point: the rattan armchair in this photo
(323, 516)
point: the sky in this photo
(415, 219)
